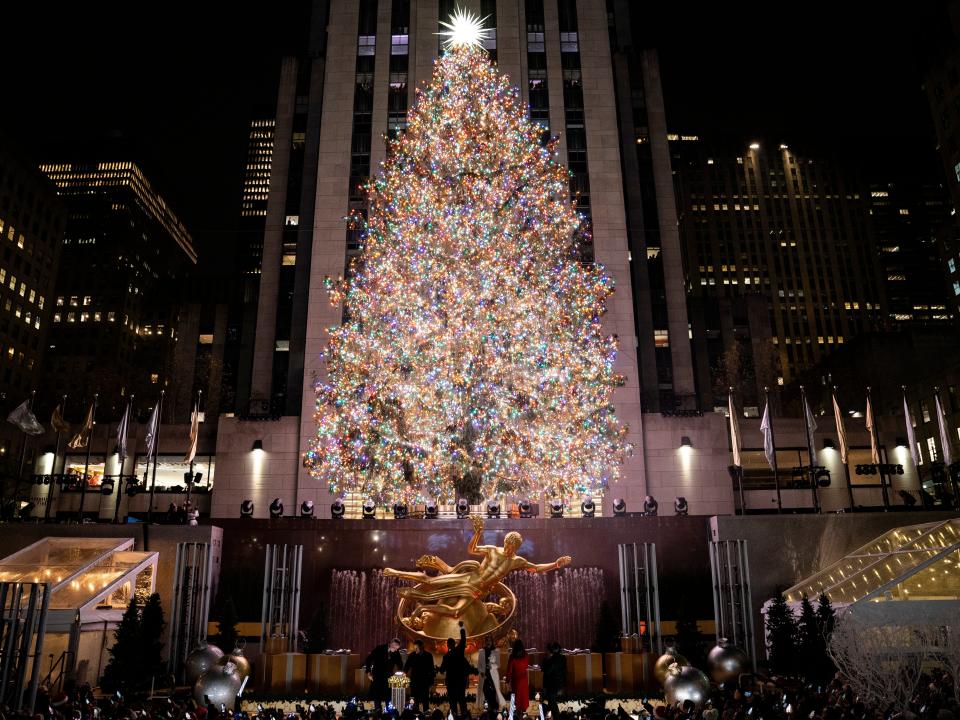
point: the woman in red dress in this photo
(517, 677)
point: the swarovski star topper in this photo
(464, 28)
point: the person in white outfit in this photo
(488, 683)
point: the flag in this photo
(944, 433)
(22, 416)
(81, 439)
(122, 436)
(194, 433)
(57, 422)
(767, 429)
(841, 432)
(874, 453)
(811, 424)
(911, 436)
(734, 432)
(153, 425)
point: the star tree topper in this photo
(464, 28)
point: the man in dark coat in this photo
(456, 671)
(422, 673)
(554, 678)
(381, 663)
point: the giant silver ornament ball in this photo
(686, 683)
(240, 660)
(726, 662)
(200, 660)
(219, 684)
(663, 663)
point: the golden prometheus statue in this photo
(471, 591)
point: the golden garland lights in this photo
(471, 360)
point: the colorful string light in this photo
(471, 359)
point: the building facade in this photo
(781, 263)
(32, 221)
(118, 293)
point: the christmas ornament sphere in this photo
(726, 662)
(663, 663)
(686, 683)
(219, 684)
(239, 659)
(201, 659)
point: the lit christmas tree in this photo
(471, 361)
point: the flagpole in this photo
(773, 442)
(810, 450)
(743, 502)
(116, 507)
(156, 452)
(53, 466)
(23, 457)
(876, 444)
(190, 484)
(846, 460)
(912, 444)
(86, 466)
(944, 432)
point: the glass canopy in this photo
(85, 573)
(906, 563)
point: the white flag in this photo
(153, 425)
(767, 431)
(874, 453)
(944, 434)
(122, 430)
(811, 424)
(841, 431)
(734, 432)
(194, 433)
(22, 416)
(911, 436)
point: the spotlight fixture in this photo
(901, 442)
(754, 146)
(587, 508)
(556, 508)
(526, 509)
(908, 499)
(306, 509)
(828, 444)
(400, 511)
(246, 508)
(26, 507)
(133, 487)
(463, 508)
(276, 509)
(619, 507)
(338, 509)
(650, 506)
(106, 487)
(369, 509)
(493, 509)
(257, 445)
(821, 477)
(685, 441)
(680, 506)
(431, 512)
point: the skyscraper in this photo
(117, 303)
(583, 79)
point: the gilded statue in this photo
(471, 591)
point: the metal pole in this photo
(86, 467)
(812, 459)
(29, 626)
(715, 580)
(23, 457)
(748, 606)
(116, 508)
(656, 597)
(267, 576)
(156, 452)
(173, 638)
(773, 442)
(38, 649)
(846, 462)
(876, 440)
(53, 467)
(192, 476)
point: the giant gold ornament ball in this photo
(663, 663)
(200, 660)
(219, 684)
(686, 683)
(726, 662)
(240, 660)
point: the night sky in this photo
(177, 85)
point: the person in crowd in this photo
(381, 663)
(456, 672)
(488, 685)
(554, 678)
(422, 673)
(517, 677)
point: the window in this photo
(56, 317)
(86, 300)
(206, 339)
(952, 264)
(292, 221)
(111, 316)
(932, 449)
(956, 287)
(919, 453)
(154, 378)
(661, 338)
(367, 45)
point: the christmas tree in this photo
(471, 360)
